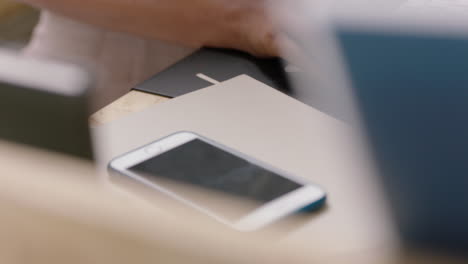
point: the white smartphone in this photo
(266, 193)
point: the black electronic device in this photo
(220, 65)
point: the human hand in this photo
(239, 24)
(248, 25)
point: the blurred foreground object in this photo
(45, 104)
(408, 77)
(54, 212)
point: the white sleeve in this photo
(120, 60)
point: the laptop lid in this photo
(407, 79)
(44, 104)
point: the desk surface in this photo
(54, 212)
(86, 223)
(329, 229)
(132, 102)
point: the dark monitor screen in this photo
(412, 93)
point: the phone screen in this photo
(200, 164)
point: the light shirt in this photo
(119, 60)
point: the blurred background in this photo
(17, 22)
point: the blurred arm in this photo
(239, 24)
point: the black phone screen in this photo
(200, 164)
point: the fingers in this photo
(267, 35)
(255, 31)
(274, 44)
(264, 40)
(266, 44)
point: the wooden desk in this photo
(54, 212)
(132, 102)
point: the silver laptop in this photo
(44, 104)
(404, 80)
